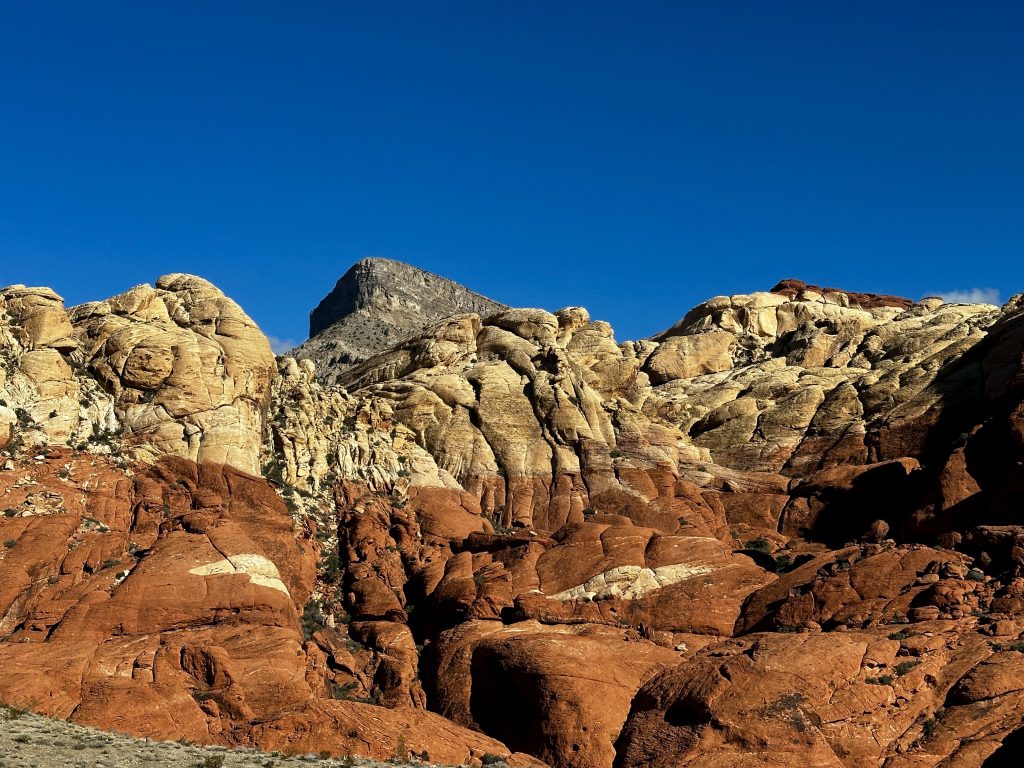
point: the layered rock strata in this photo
(787, 528)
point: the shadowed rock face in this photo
(787, 529)
(377, 304)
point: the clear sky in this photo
(633, 157)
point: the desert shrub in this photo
(331, 566)
(401, 754)
(933, 722)
(342, 692)
(783, 563)
(312, 618)
(905, 666)
(8, 712)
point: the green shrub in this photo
(491, 759)
(10, 713)
(883, 680)
(401, 754)
(342, 692)
(933, 722)
(331, 566)
(759, 545)
(312, 618)
(615, 453)
(10, 543)
(905, 666)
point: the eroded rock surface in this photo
(178, 370)
(785, 529)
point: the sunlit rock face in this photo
(786, 528)
(178, 370)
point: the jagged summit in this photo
(387, 284)
(377, 303)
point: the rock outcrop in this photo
(785, 529)
(176, 370)
(167, 604)
(376, 304)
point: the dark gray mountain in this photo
(376, 304)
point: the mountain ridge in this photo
(377, 303)
(792, 522)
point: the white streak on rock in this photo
(259, 569)
(630, 582)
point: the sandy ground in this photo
(29, 741)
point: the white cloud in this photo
(971, 296)
(280, 346)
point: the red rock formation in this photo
(166, 604)
(792, 288)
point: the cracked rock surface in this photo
(786, 529)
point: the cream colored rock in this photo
(38, 318)
(683, 357)
(189, 371)
(42, 398)
(534, 325)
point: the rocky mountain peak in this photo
(376, 304)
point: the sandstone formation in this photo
(785, 529)
(177, 370)
(167, 604)
(376, 304)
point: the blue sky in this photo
(635, 157)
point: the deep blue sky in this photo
(632, 157)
